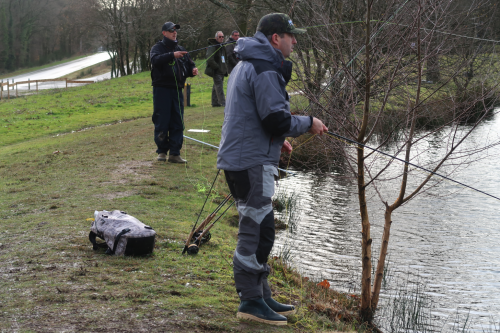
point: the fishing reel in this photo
(193, 249)
(203, 240)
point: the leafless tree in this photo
(370, 81)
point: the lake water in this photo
(446, 241)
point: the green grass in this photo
(58, 165)
(31, 69)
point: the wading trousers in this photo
(253, 189)
(168, 112)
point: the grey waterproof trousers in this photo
(253, 189)
(218, 98)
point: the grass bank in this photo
(64, 154)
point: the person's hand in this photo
(318, 127)
(195, 71)
(287, 147)
(179, 54)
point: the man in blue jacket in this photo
(170, 66)
(257, 120)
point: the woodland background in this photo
(36, 32)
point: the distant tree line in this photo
(35, 32)
(129, 28)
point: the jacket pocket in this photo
(269, 174)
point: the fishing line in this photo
(404, 25)
(406, 162)
(220, 46)
(208, 195)
(179, 101)
(187, 137)
(338, 23)
(407, 26)
(214, 45)
(372, 21)
(284, 190)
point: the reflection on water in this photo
(448, 238)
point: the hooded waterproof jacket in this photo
(257, 116)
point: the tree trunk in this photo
(379, 274)
(366, 312)
(433, 71)
(242, 15)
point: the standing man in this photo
(170, 66)
(232, 60)
(257, 120)
(216, 68)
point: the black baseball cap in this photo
(278, 23)
(170, 25)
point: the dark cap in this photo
(169, 25)
(278, 23)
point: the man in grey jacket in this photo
(257, 120)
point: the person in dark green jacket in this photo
(217, 68)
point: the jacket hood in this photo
(212, 41)
(258, 47)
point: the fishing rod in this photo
(199, 240)
(409, 163)
(208, 144)
(214, 45)
(188, 246)
(206, 199)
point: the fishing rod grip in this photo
(210, 227)
(193, 231)
(188, 240)
(204, 232)
(205, 222)
(202, 225)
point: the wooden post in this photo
(1, 90)
(16, 89)
(185, 94)
(36, 86)
(8, 90)
(29, 84)
(66, 79)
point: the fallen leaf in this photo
(325, 284)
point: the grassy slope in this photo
(51, 181)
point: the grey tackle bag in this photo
(123, 233)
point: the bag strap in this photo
(95, 245)
(117, 239)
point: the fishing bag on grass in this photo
(123, 233)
